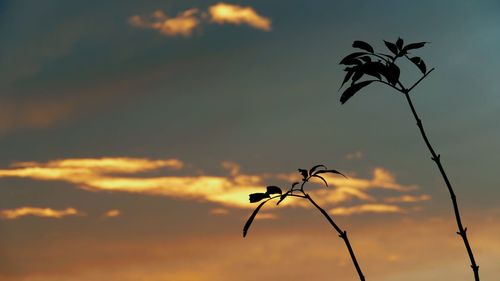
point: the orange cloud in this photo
(182, 25)
(11, 214)
(408, 199)
(123, 175)
(33, 114)
(366, 208)
(112, 213)
(187, 21)
(223, 13)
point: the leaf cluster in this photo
(380, 66)
(295, 190)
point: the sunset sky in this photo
(132, 132)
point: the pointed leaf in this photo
(419, 63)
(362, 45)
(331, 171)
(349, 92)
(357, 75)
(392, 47)
(365, 59)
(294, 184)
(304, 173)
(320, 177)
(413, 46)
(399, 43)
(272, 189)
(391, 73)
(347, 77)
(256, 197)
(373, 68)
(422, 66)
(251, 218)
(311, 171)
(349, 58)
(282, 197)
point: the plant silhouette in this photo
(383, 67)
(297, 190)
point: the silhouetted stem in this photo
(342, 234)
(437, 159)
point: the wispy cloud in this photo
(181, 25)
(126, 175)
(366, 208)
(223, 13)
(11, 214)
(112, 213)
(32, 114)
(186, 22)
(356, 155)
(408, 198)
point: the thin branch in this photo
(342, 234)
(419, 80)
(462, 231)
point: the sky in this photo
(132, 133)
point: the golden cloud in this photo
(182, 25)
(11, 214)
(187, 21)
(124, 175)
(112, 213)
(408, 199)
(223, 13)
(366, 208)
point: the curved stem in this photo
(462, 231)
(342, 234)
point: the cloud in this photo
(356, 155)
(112, 213)
(11, 214)
(32, 114)
(223, 13)
(366, 208)
(122, 174)
(186, 22)
(182, 25)
(408, 199)
(219, 211)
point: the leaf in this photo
(316, 176)
(374, 69)
(392, 47)
(251, 218)
(366, 59)
(349, 59)
(282, 197)
(419, 63)
(391, 73)
(256, 197)
(385, 55)
(362, 45)
(399, 43)
(311, 171)
(422, 67)
(304, 173)
(272, 189)
(349, 92)
(294, 184)
(413, 46)
(347, 77)
(357, 75)
(331, 171)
